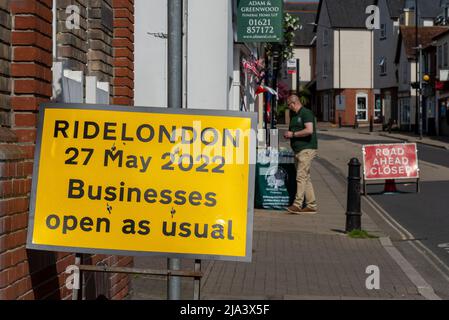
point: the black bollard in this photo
(371, 124)
(339, 121)
(356, 122)
(353, 213)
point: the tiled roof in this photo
(407, 38)
(347, 13)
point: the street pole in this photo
(418, 90)
(420, 116)
(174, 78)
(298, 79)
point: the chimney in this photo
(408, 18)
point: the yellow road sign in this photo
(144, 181)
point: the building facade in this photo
(54, 51)
(344, 62)
(212, 60)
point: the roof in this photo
(346, 13)
(407, 39)
(306, 12)
(395, 7)
(429, 8)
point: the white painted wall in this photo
(210, 64)
(356, 49)
(150, 54)
(305, 65)
(210, 54)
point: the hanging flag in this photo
(263, 89)
(251, 66)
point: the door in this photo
(325, 108)
(362, 106)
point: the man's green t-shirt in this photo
(297, 123)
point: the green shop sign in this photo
(260, 21)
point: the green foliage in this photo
(361, 234)
(291, 24)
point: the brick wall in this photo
(348, 115)
(100, 33)
(72, 43)
(25, 81)
(5, 68)
(123, 84)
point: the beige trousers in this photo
(303, 162)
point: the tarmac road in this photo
(424, 215)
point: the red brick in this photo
(31, 70)
(26, 135)
(123, 33)
(128, 4)
(123, 13)
(32, 54)
(123, 91)
(12, 206)
(37, 87)
(123, 82)
(31, 38)
(123, 101)
(123, 52)
(5, 189)
(28, 151)
(25, 119)
(124, 72)
(31, 7)
(33, 23)
(126, 43)
(26, 103)
(124, 23)
(123, 63)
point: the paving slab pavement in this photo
(295, 257)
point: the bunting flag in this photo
(251, 66)
(263, 89)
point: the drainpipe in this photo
(55, 25)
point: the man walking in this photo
(304, 142)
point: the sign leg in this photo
(197, 281)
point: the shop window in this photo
(362, 106)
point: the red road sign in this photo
(390, 161)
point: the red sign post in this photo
(390, 161)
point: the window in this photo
(325, 69)
(325, 37)
(383, 31)
(404, 111)
(404, 73)
(378, 108)
(362, 106)
(383, 66)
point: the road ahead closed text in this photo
(136, 181)
(390, 161)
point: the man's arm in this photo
(308, 131)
